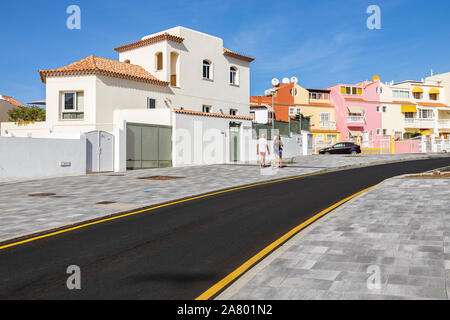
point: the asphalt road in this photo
(178, 252)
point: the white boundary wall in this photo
(29, 158)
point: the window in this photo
(294, 92)
(409, 115)
(378, 132)
(159, 61)
(400, 94)
(384, 108)
(207, 74)
(320, 137)
(417, 95)
(151, 103)
(292, 111)
(69, 101)
(426, 114)
(351, 91)
(207, 109)
(433, 96)
(319, 96)
(233, 76)
(72, 106)
(384, 132)
(325, 117)
(233, 112)
(378, 109)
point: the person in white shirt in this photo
(261, 150)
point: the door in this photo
(234, 142)
(99, 151)
(148, 146)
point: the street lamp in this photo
(273, 91)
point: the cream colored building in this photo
(415, 107)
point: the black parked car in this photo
(342, 148)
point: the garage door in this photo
(148, 146)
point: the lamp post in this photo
(273, 91)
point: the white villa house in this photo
(174, 98)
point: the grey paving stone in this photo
(402, 227)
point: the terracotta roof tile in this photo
(12, 101)
(102, 66)
(354, 99)
(206, 114)
(237, 55)
(431, 104)
(317, 104)
(149, 41)
(403, 102)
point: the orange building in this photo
(291, 99)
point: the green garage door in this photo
(148, 146)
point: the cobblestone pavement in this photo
(401, 229)
(77, 197)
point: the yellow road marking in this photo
(255, 259)
(154, 208)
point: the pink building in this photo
(358, 112)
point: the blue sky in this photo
(321, 42)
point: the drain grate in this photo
(42, 195)
(160, 178)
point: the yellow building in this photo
(316, 104)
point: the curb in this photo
(23, 237)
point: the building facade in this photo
(178, 80)
(357, 112)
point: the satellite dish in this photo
(285, 80)
(294, 80)
(275, 81)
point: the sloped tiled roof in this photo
(237, 55)
(12, 101)
(206, 114)
(101, 66)
(148, 41)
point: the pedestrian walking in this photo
(262, 147)
(277, 152)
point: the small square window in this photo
(384, 108)
(207, 109)
(233, 112)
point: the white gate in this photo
(99, 151)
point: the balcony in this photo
(328, 124)
(356, 119)
(444, 124)
(419, 123)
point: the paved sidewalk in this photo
(77, 198)
(401, 228)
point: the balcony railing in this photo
(419, 123)
(444, 124)
(72, 116)
(356, 119)
(328, 124)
